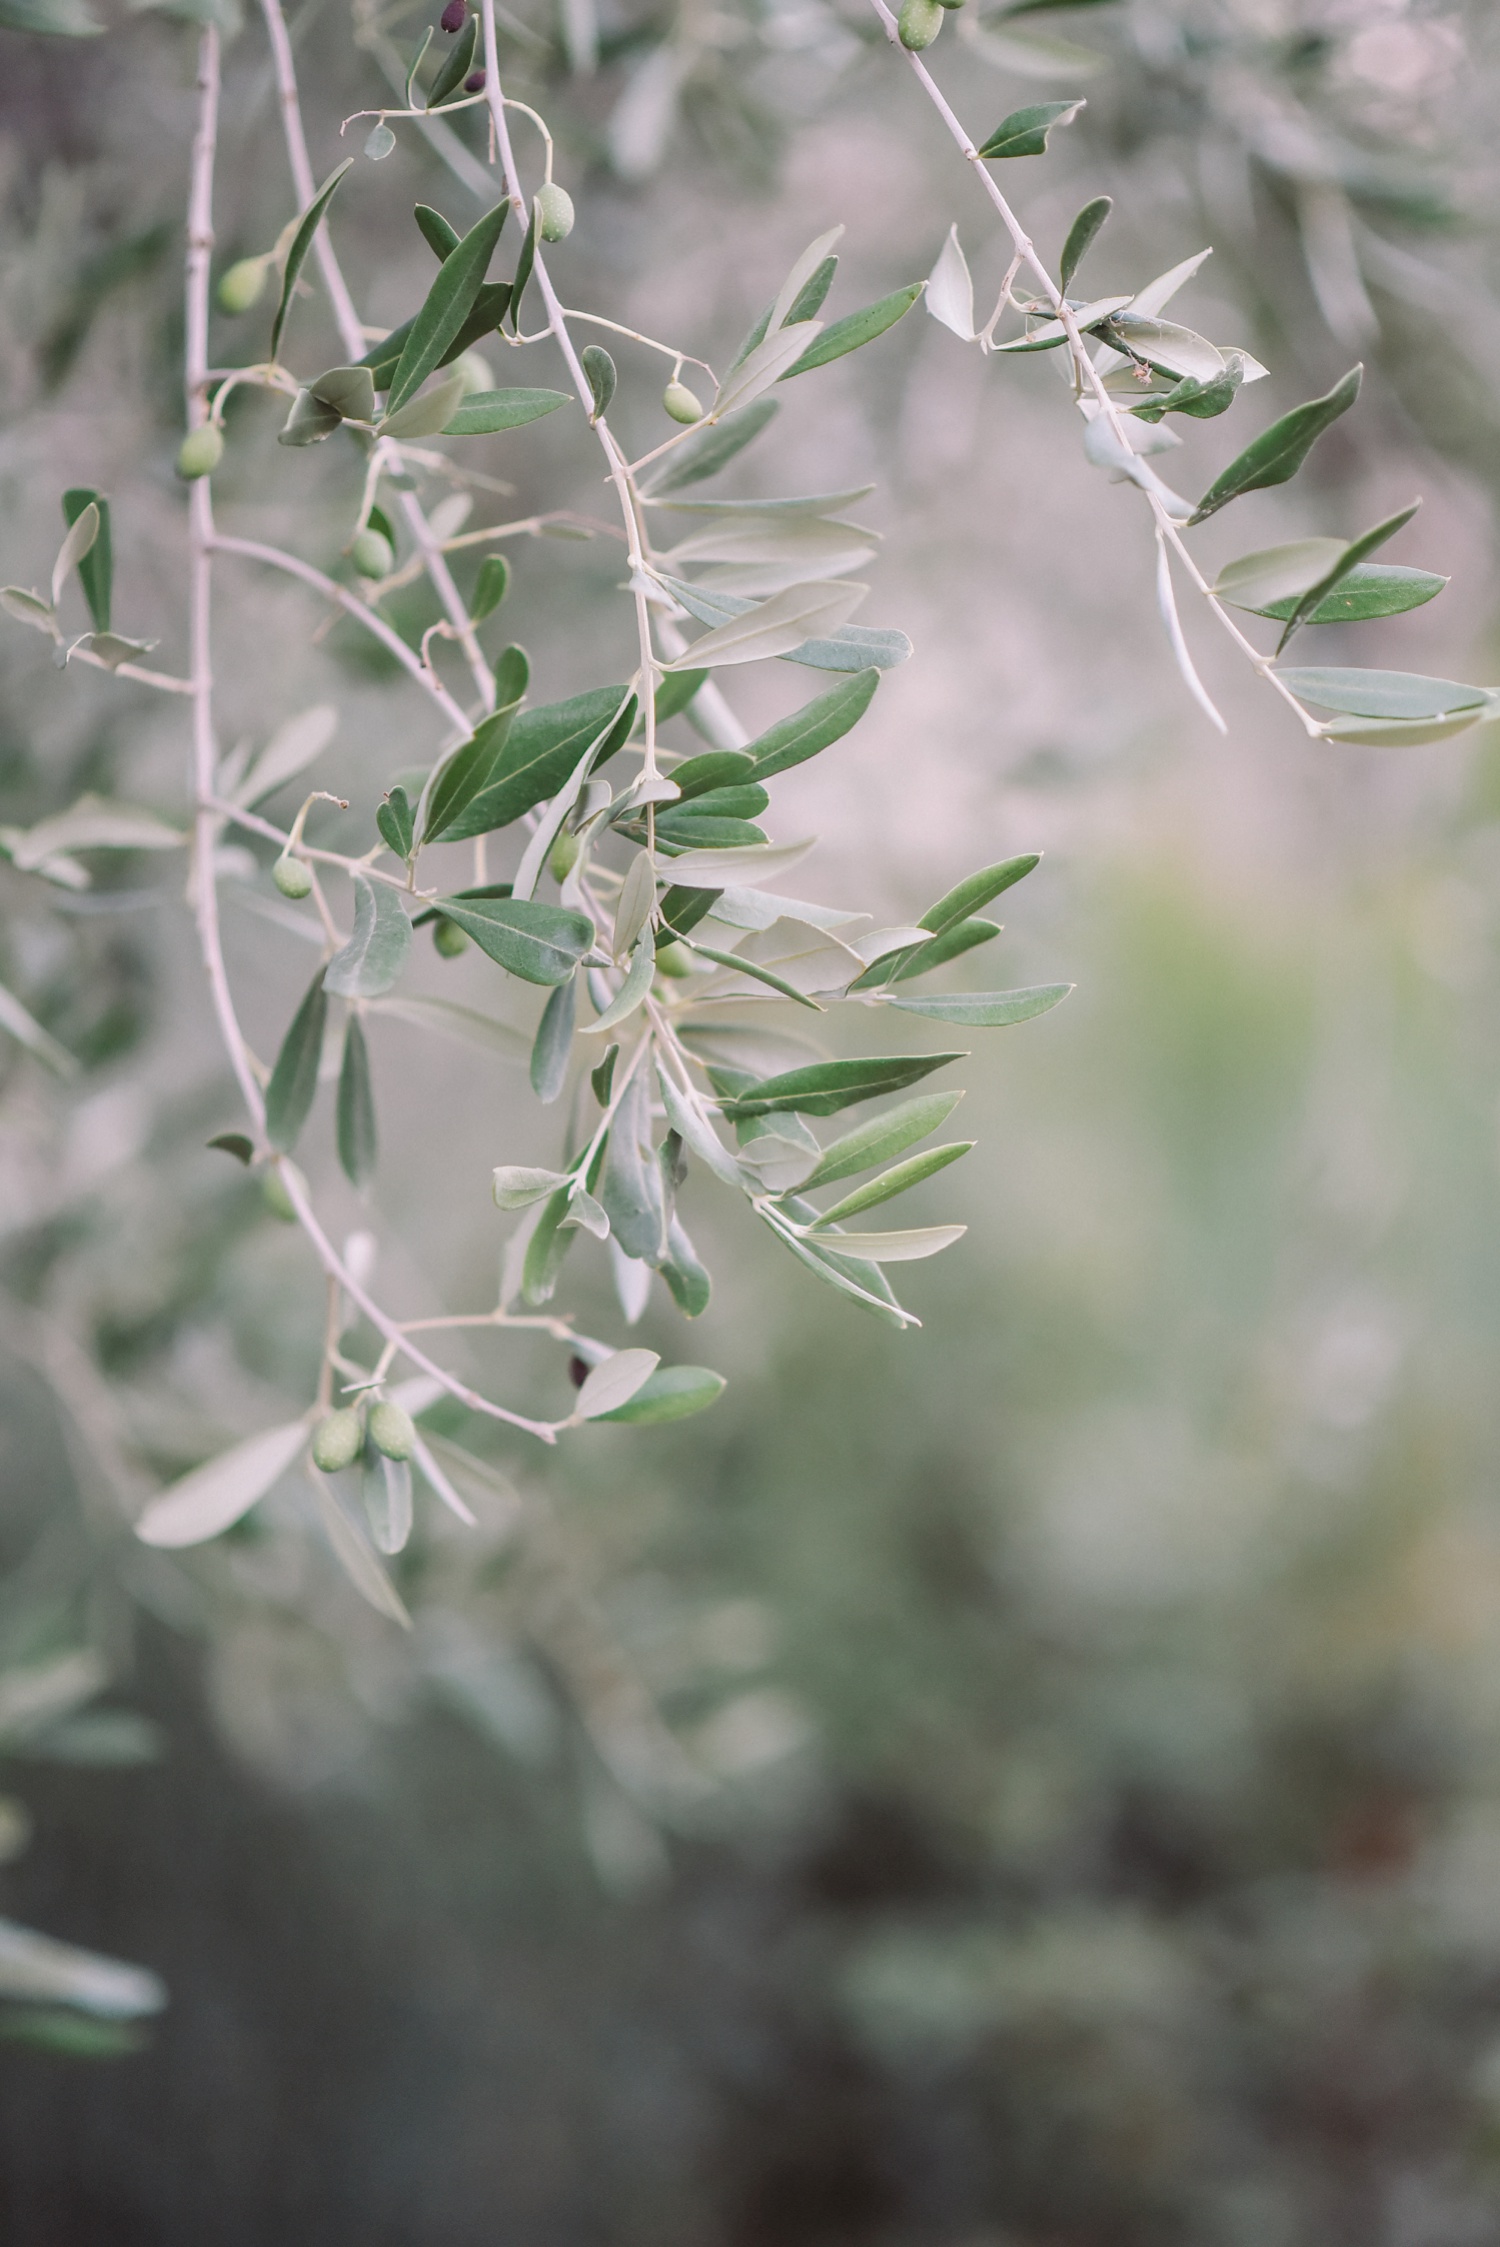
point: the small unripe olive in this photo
(679, 400)
(371, 553)
(291, 876)
(242, 285)
(200, 452)
(554, 212)
(449, 938)
(391, 1431)
(563, 856)
(338, 1441)
(919, 23)
(276, 1198)
(674, 959)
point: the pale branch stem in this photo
(353, 336)
(163, 681)
(255, 825)
(275, 557)
(1087, 372)
(667, 350)
(205, 896)
(558, 324)
(386, 1326)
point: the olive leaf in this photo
(355, 1113)
(294, 1079)
(96, 563)
(1081, 236)
(1278, 452)
(855, 329)
(372, 960)
(554, 1042)
(1024, 132)
(672, 1392)
(448, 305)
(213, 1497)
(827, 1086)
(539, 943)
(484, 412)
(301, 243)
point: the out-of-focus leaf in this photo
(352, 1552)
(1370, 589)
(1383, 694)
(96, 566)
(34, 1967)
(290, 750)
(301, 243)
(59, 19)
(987, 1010)
(712, 869)
(213, 1497)
(356, 1108)
(463, 1023)
(708, 450)
(79, 540)
(895, 1181)
(950, 289)
(19, 1023)
(775, 626)
(895, 1248)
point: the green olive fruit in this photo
(673, 959)
(243, 284)
(291, 876)
(276, 1198)
(371, 553)
(449, 938)
(679, 400)
(200, 452)
(919, 23)
(563, 856)
(554, 212)
(338, 1441)
(391, 1431)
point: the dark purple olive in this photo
(454, 16)
(474, 83)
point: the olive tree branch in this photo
(1087, 373)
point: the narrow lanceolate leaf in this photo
(863, 1283)
(1278, 452)
(540, 751)
(93, 823)
(1371, 589)
(895, 1248)
(82, 534)
(463, 1023)
(301, 243)
(818, 724)
(428, 414)
(1277, 574)
(827, 1086)
(708, 450)
(290, 750)
(1405, 733)
(755, 971)
(441, 237)
(468, 771)
(907, 961)
(96, 567)
(857, 328)
(632, 992)
(1367, 543)
(539, 943)
(375, 954)
(449, 303)
(356, 1108)
(351, 1549)
(716, 869)
(483, 412)
(774, 627)
(1024, 132)
(554, 1043)
(979, 889)
(895, 1181)
(35, 1971)
(294, 1080)
(614, 1383)
(766, 364)
(214, 1497)
(880, 1140)
(1383, 694)
(673, 1392)
(950, 289)
(1081, 236)
(987, 1010)
(854, 648)
(26, 1030)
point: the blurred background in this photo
(1034, 1782)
